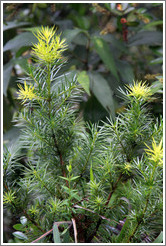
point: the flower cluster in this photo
(9, 197)
(156, 153)
(49, 47)
(26, 93)
(139, 91)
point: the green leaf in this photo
(158, 60)
(91, 174)
(32, 29)
(83, 79)
(117, 45)
(7, 69)
(76, 177)
(18, 227)
(126, 231)
(102, 48)
(159, 239)
(80, 39)
(93, 110)
(66, 236)
(132, 23)
(103, 92)
(23, 220)
(66, 189)
(83, 22)
(56, 234)
(13, 24)
(64, 178)
(125, 71)
(20, 235)
(152, 24)
(146, 37)
(70, 34)
(23, 39)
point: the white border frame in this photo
(2, 2)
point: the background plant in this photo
(96, 46)
(84, 182)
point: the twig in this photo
(101, 216)
(114, 187)
(99, 221)
(89, 239)
(61, 159)
(48, 232)
(75, 229)
(44, 235)
(34, 222)
(62, 222)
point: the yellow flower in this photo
(49, 47)
(139, 90)
(156, 153)
(9, 197)
(26, 93)
(127, 166)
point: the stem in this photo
(49, 89)
(60, 156)
(43, 183)
(145, 208)
(107, 202)
(34, 222)
(44, 235)
(48, 232)
(121, 144)
(90, 152)
(49, 114)
(6, 187)
(141, 219)
(84, 168)
(113, 189)
(89, 239)
(91, 211)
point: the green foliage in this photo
(56, 234)
(102, 182)
(96, 42)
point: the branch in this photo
(48, 232)
(34, 222)
(101, 216)
(114, 188)
(61, 159)
(26, 214)
(99, 221)
(75, 229)
(44, 235)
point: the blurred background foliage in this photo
(109, 45)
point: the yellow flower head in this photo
(139, 91)
(127, 166)
(9, 197)
(49, 47)
(156, 153)
(26, 93)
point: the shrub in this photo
(86, 183)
